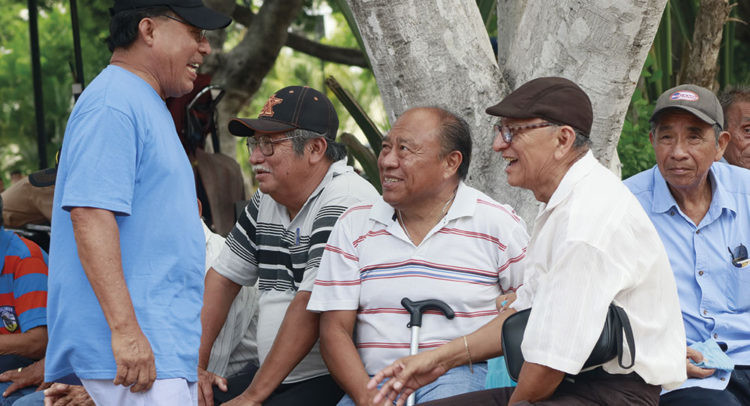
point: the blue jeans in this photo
(454, 382)
(13, 397)
(33, 399)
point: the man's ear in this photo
(452, 162)
(723, 141)
(317, 148)
(565, 137)
(146, 28)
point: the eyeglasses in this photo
(739, 256)
(508, 132)
(198, 34)
(265, 143)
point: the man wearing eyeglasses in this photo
(701, 209)
(127, 246)
(592, 245)
(304, 186)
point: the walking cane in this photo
(416, 309)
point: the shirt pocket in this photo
(740, 289)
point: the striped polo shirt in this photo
(283, 254)
(469, 258)
(23, 284)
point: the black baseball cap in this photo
(288, 109)
(552, 98)
(192, 11)
(694, 99)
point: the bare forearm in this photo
(30, 344)
(536, 382)
(296, 337)
(341, 356)
(482, 344)
(218, 295)
(98, 241)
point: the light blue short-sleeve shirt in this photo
(714, 294)
(121, 153)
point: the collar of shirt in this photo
(663, 201)
(337, 168)
(575, 173)
(464, 204)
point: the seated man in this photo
(592, 245)
(304, 185)
(23, 284)
(701, 209)
(431, 236)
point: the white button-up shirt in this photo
(592, 245)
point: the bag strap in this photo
(628, 331)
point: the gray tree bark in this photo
(434, 52)
(599, 44)
(702, 64)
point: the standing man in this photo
(701, 209)
(278, 240)
(127, 252)
(592, 245)
(735, 103)
(431, 236)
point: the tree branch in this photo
(346, 56)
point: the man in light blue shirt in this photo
(701, 209)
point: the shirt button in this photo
(697, 231)
(705, 312)
(700, 273)
(723, 379)
(671, 213)
(716, 335)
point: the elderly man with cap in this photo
(304, 186)
(127, 248)
(592, 245)
(701, 209)
(430, 236)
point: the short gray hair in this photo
(731, 95)
(582, 141)
(334, 150)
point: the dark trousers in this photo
(737, 393)
(320, 391)
(589, 388)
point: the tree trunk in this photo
(600, 44)
(437, 53)
(509, 13)
(701, 66)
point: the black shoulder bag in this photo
(609, 345)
